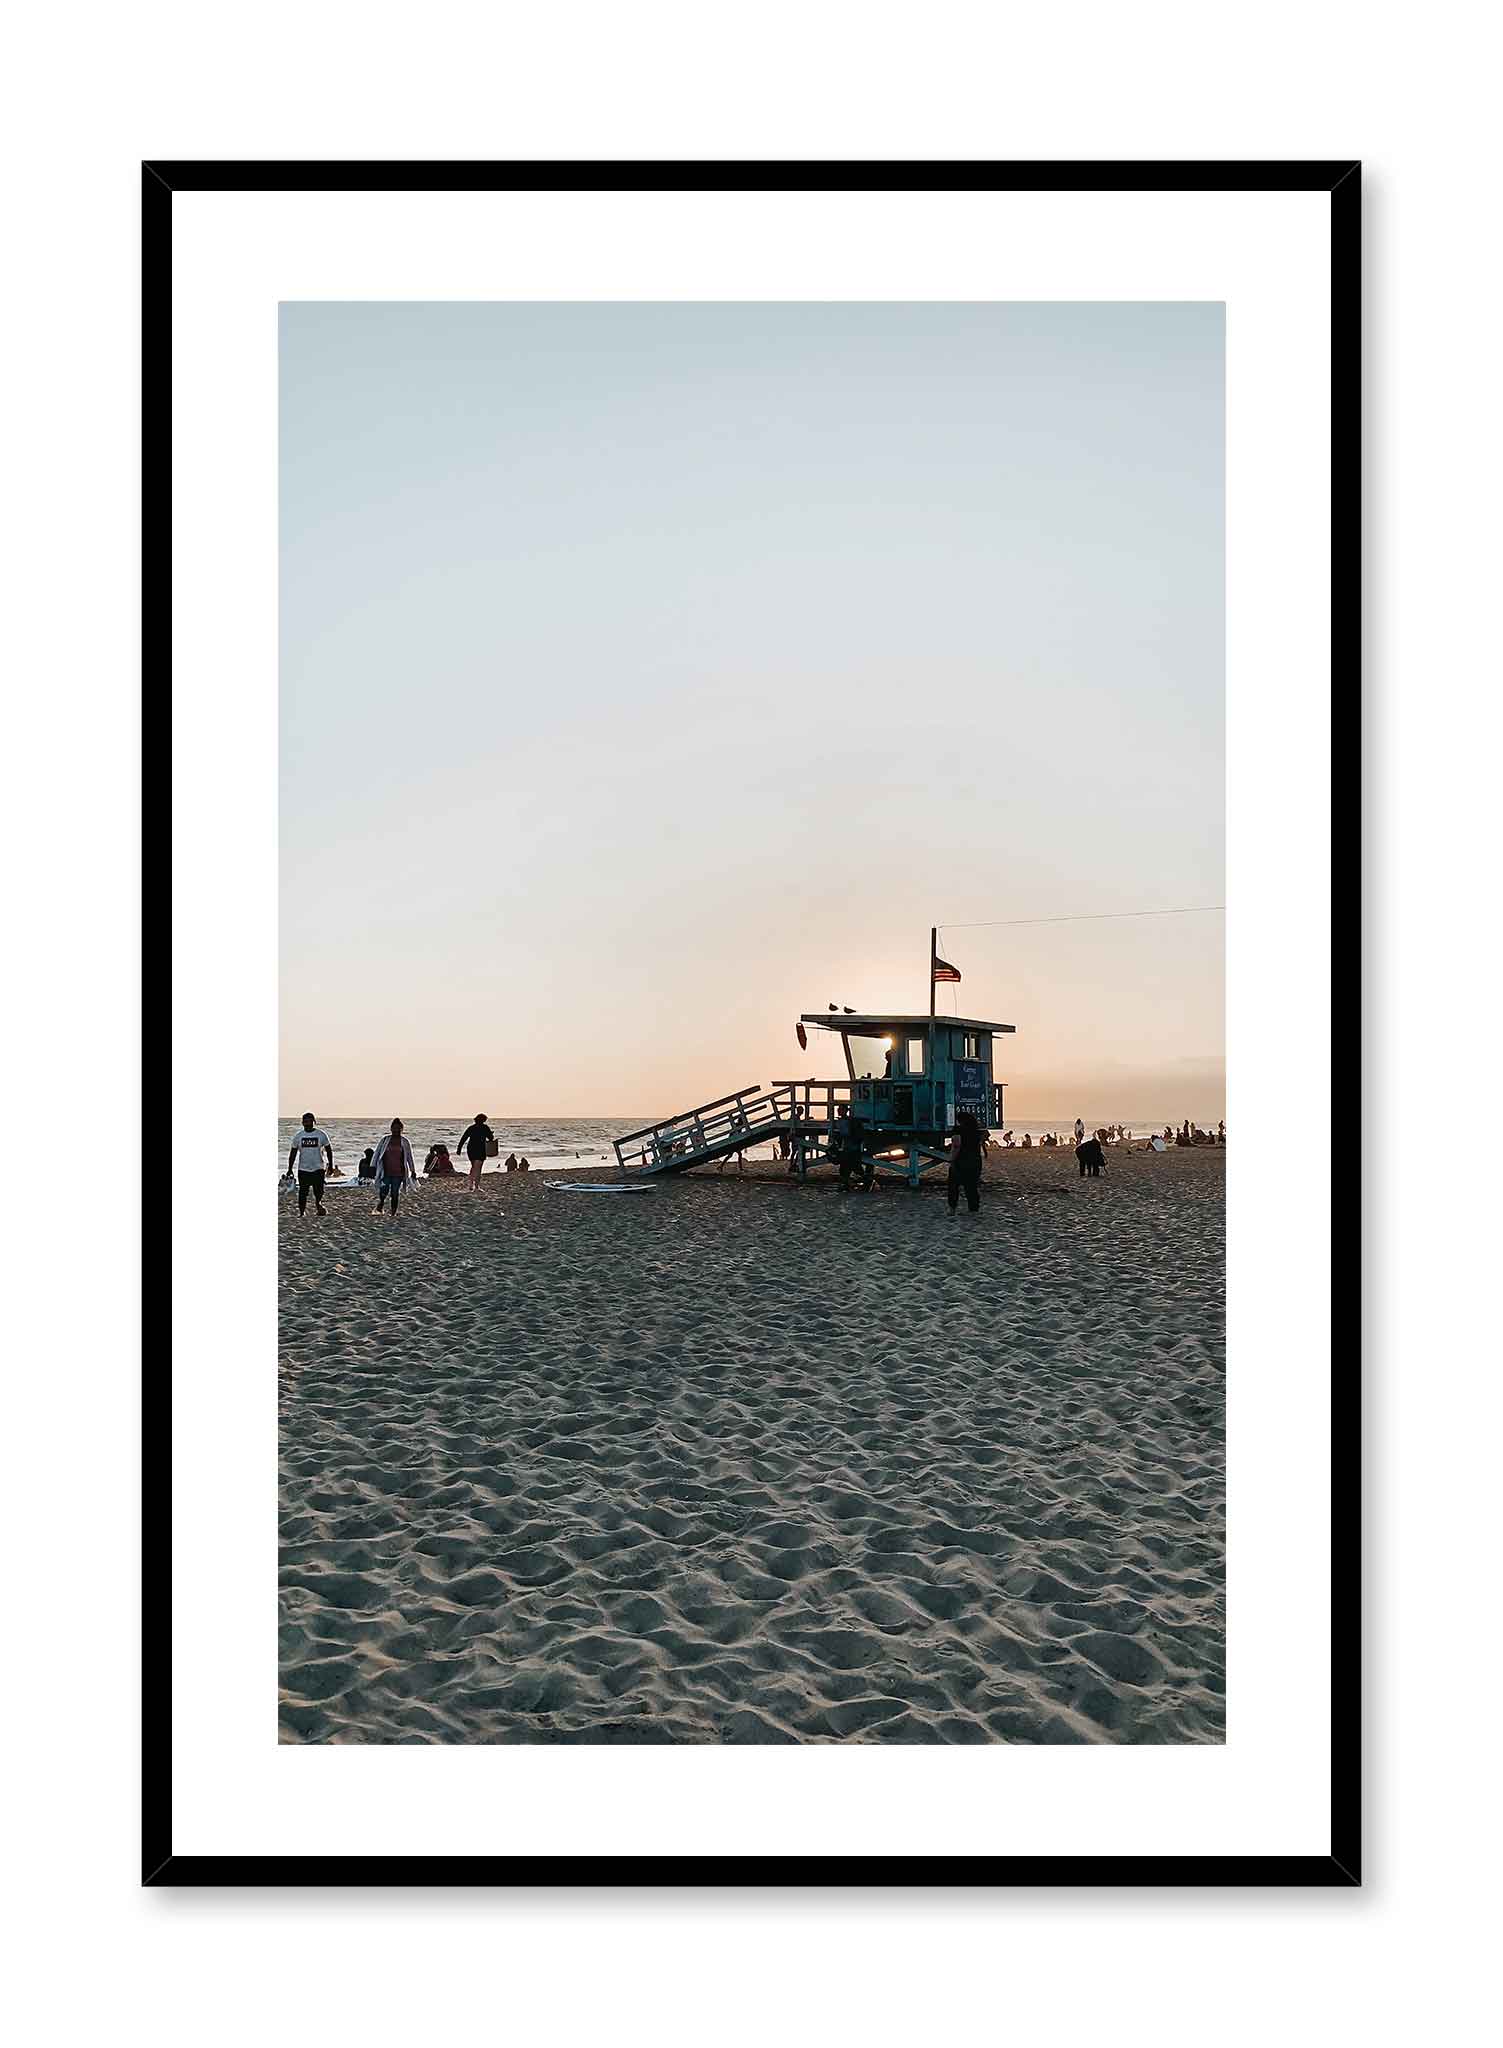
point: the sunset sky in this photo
(651, 673)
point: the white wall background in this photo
(93, 90)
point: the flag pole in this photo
(933, 956)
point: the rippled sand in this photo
(737, 1461)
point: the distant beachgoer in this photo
(1079, 1131)
(438, 1163)
(310, 1148)
(476, 1144)
(367, 1164)
(1007, 1139)
(1027, 1141)
(397, 1168)
(511, 1161)
(965, 1163)
(1221, 1132)
(523, 1167)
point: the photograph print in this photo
(751, 1159)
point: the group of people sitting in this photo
(1109, 1134)
(388, 1165)
(439, 1166)
(1192, 1134)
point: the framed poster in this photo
(689, 1470)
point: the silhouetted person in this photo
(511, 1161)
(851, 1156)
(965, 1163)
(1079, 1131)
(1091, 1158)
(476, 1144)
(367, 1164)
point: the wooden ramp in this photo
(715, 1130)
(805, 1112)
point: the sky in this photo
(651, 673)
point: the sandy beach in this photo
(735, 1460)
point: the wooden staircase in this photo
(714, 1130)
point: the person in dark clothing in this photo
(1092, 1158)
(476, 1144)
(851, 1154)
(965, 1162)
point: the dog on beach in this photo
(1092, 1158)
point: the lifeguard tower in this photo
(906, 1078)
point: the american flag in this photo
(941, 970)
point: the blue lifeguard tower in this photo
(906, 1079)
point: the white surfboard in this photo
(601, 1187)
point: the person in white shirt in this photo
(310, 1148)
(394, 1167)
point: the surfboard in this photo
(601, 1187)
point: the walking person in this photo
(396, 1170)
(850, 1150)
(477, 1144)
(965, 1163)
(1080, 1130)
(310, 1148)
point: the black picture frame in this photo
(1341, 179)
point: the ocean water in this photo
(543, 1141)
(551, 1142)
